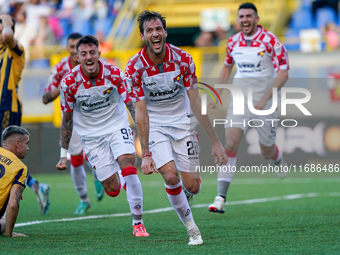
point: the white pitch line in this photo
(166, 209)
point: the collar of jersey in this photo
(99, 76)
(149, 62)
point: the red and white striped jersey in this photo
(98, 104)
(258, 57)
(164, 86)
(57, 74)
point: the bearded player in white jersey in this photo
(164, 85)
(262, 64)
(51, 92)
(92, 97)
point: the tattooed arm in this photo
(50, 96)
(142, 119)
(65, 137)
(12, 209)
(131, 107)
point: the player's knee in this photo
(112, 193)
(194, 187)
(129, 171)
(231, 145)
(171, 179)
(77, 160)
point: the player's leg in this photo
(78, 173)
(269, 150)
(162, 154)
(42, 191)
(98, 188)
(123, 149)
(186, 155)
(233, 138)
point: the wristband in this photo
(147, 155)
(63, 153)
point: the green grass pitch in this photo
(263, 216)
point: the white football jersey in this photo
(97, 109)
(257, 59)
(164, 87)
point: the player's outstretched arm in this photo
(13, 210)
(217, 149)
(142, 119)
(65, 137)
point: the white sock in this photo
(179, 202)
(226, 173)
(78, 175)
(134, 194)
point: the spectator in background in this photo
(105, 46)
(331, 32)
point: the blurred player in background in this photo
(13, 175)
(164, 84)
(92, 98)
(75, 149)
(12, 62)
(262, 64)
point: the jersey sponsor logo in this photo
(248, 65)
(163, 93)
(108, 91)
(96, 105)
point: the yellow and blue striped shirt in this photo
(12, 62)
(12, 172)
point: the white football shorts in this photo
(75, 147)
(102, 152)
(265, 125)
(185, 152)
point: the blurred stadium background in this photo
(310, 33)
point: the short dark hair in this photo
(13, 26)
(13, 130)
(147, 16)
(248, 6)
(74, 36)
(87, 39)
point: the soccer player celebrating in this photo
(262, 64)
(13, 174)
(12, 62)
(164, 84)
(75, 149)
(92, 99)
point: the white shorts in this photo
(75, 147)
(265, 127)
(185, 152)
(102, 152)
